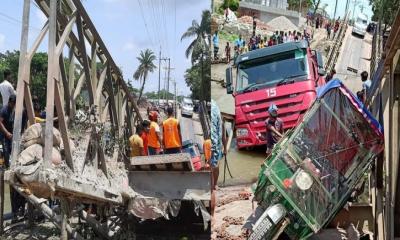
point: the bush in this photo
(232, 4)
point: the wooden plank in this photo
(63, 127)
(21, 82)
(65, 84)
(85, 62)
(100, 85)
(28, 104)
(51, 75)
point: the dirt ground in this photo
(234, 205)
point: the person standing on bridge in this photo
(171, 133)
(145, 136)
(154, 136)
(136, 143)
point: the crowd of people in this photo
(241, 46)
(153, 137)
(150, 140)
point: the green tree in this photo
(10, 60)
(385, 11)
(154, 94)
(146, 65)
(232, 4)
(199, 51)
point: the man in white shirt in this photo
(6, 89)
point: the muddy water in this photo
(244, 166)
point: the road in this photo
(191, 128)
(355, 53)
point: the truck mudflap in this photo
(314, 169)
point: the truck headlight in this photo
(241, 132)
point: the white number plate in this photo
(271, 92)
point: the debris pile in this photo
(260, 24)
(282, 23)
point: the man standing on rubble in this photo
(274, 127)
(171, 133)
(7, 116)
(154, 136)
(216, 44)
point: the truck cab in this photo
(286, 75)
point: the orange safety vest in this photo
(152, 137)
(207, 149)
(171, 133)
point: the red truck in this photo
(287, 75)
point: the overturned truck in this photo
(313, 170)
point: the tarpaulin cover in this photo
(313, 170)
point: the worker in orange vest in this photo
(154, 135)
(207, 152)
(172, 133)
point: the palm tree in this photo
(146, 65)
(201, 34)
(199, 48)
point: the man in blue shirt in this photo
(365, 85)
(274, 127)
(239, 43)
(216, 44)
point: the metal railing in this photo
(337, 43)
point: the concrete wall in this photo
(265, 13)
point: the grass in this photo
(228, 36)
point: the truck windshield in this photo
(271, 70)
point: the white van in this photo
(360, 25)
(187, 107)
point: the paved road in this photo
(355, 53)
(191, 128)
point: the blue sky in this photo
(126, 27)
(341, 6)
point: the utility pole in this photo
(347, 8)
(159, 76)
(169, 72)
(354, 8)
(334, 13)
(167, 78)
(300, 8)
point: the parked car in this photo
(187, 107)
(193, 149)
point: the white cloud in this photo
(2, 42)
(41, 17)
(129, 46)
